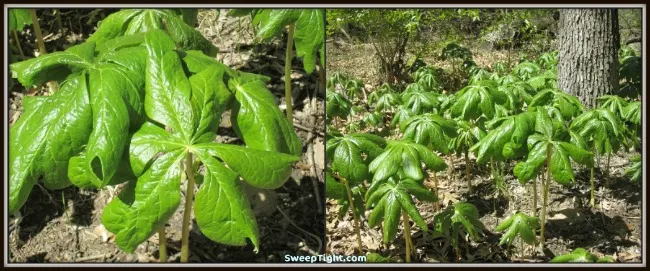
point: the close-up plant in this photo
(138, 112)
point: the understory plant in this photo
(140, 110)
(581, 255)
(518, 225)
(549, 146)
(602, 132)
(350, 156)
(398, 177)
(305, 28)
(458, 220)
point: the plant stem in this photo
(287, 76)
(407, 235)
(592, 200)
(17, 42)
(162, 243)
(535, 196)
(357, 226)
(547, 185)
(436, 205)
(467, 171)
(189, 196)
(58, 19)
(37, 32)
(609, 155)
(54, 86)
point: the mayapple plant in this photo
(550, 146)
(430, 130)
(397, 176)
(140, 110)
(457, 219)
(305, 27)
(350, 156)
(518, 225)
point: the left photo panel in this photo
(164, 135)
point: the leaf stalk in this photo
(187, 212)
(287, 75)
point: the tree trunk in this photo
(588, 61)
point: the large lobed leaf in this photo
(347, 155)
(221, 209)
(390, 198)
(404, 157)
(520, 225)
(132, 21)
(309, 35)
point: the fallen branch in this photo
(306, 129)
(90, 258)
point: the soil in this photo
(65, 225)
(611, 228)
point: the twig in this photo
(320, 243)
(95, 257)
(306, 129)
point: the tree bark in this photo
(588, 61)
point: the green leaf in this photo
(461, 214)
(578, 255)
(18, 18)
(390, 200)
(599, 128)
(262, 169)
(429, 130)
(168, 89)
(376, 258)
(55, 66)
(337, 105)
(210, 97)
(520, 225)
(405, 156)
(145, 205)
(221, 208)
(526, 171)
(50, 131)
(309, 36)
(346, 155)
(334, 189)
(133, 21)
(419, 101)
(514, 129)
(561, 166)
(473, 101)
(259, 122)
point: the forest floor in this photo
(65, 225)
(612, 228)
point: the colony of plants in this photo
(458, 161)
(138, 113)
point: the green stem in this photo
(58, 19)
(609, 156)
(547, 185)
(467, 172)
(535, 196)
(162, 243)
(189, 196)
(37, 32)
(592, 200)
(287, 76)
(436, 205)
(17, 42)
(407, 236)
(357, 226)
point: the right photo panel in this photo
(493, 135)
